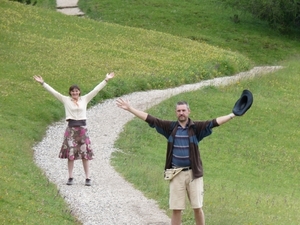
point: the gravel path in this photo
(111, 200)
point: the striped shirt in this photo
(181, 152)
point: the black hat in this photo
(243, 103)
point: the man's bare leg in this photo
(199, 216)
(176, 217)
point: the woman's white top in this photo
(73, 110)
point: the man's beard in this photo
(182, 118)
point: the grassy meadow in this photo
(250, 163)
(204, 21)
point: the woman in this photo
(76, 144)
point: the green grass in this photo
(205, 21)
(67, 50)
(250, 163)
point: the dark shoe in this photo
(88, 182)
(70, 181)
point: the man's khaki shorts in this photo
(183, 184)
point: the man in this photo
(182, 152)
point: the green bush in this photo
(283, 15)
(27, 2)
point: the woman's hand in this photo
(39, 79)
(109, 76)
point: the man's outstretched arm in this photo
(223, 119)
(124, 104)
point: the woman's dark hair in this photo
(74, 86)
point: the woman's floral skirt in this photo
(76, 144)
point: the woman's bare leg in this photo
(70, 168)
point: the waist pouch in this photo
(169, 174)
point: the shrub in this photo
(283, 15)
(27, 2)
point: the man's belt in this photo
(186, 168)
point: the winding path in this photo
(111, 199)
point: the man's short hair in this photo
(182, 103)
